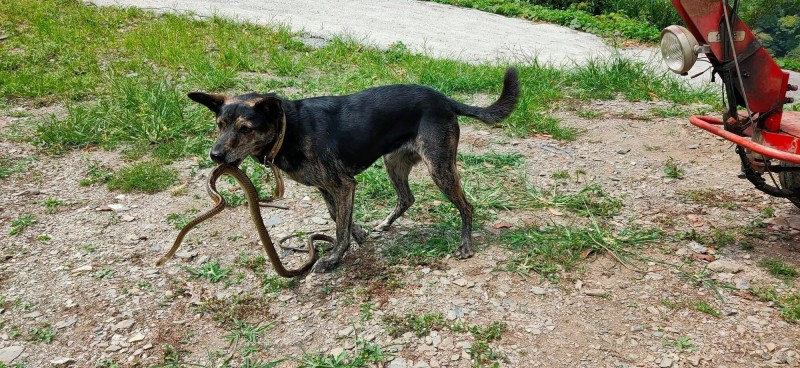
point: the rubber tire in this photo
(790, 180)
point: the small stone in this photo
(653, 276)
(127, 218)
(623, 151)
(770, 346)
(319, 220)
(460, 282)
(398, 363)
(61, 361)
(8, 354)
(698, 248)
(116, 207)
(112, 348)
(694, 360)
(345, 331)
(538, 290)
(187, 255)
(336, 351)
(82, 269)
(136, 338)
(665, 362)
(32, 315)
(725, 266)
(595, 292)
(68, 323)
(123, 325)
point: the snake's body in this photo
(255, 213)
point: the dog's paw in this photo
(325, 265)
(465, 252)
(383, 226)
(359, 235)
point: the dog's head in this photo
(247, 124)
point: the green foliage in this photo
(366, 355)
(148, 177)
(44, 333)
(179, 220)
(21, 223)
(209, 270)
(420, 325)
(779, 268)
(776, 24)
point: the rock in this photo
(32, 315)
(694, 360)
(123, 325)
(136, 338)
(187, 255)
(127, 218)
(116, 207)
(595, 292)
(345, 331)
(665, 362)
(653, 276)
(398, 363)
(68, 323)
(62, 362)
(726, 266)
(770, 346)
(460, 282)
(698, 248)
(336, 351)
(319, 220)
(8, 354)
(538, 290)
(82, 269)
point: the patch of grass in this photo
(366, 355)
(481, 352)
(96, 173)
(147, 177)
(21, 223)
(704, 307)
(671, 169)
(420, 325)
(41, 334)
(274, 283)
(179, 220)
(549, 251)
(211, 271)
(103, 273)
(560, 175)
(683, 343)
(52, 204)
(246, 332)
(424, 246)
(9, 166)
(779, 268)
(589, 201)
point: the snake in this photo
(254, 207)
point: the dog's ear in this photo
(270, 106)
(214, 102)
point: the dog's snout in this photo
(217, 156)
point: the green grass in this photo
(779, 268)
(366, 355)
(21, 223)
(704, 307)
(552, 250)
(672, 170)
(147, 177)
(41, 334)
(420, 325)
(211, 271)
(683, 343)
(179, 220)
(52, 204)
(124, 84)
(9, 166)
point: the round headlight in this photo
(678, 49)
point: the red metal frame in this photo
(765, 83)
(782, 151)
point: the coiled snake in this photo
(255, 213)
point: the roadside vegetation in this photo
(776, 24)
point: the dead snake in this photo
(255, 213)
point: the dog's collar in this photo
(270, 156)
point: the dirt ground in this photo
(94, 280)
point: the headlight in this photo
(678, 49)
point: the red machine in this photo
(767, 138)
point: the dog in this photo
(330, 139)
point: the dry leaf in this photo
(744, 294)
(500, 225)
(555, 212)
(703, 257)
(696, 222)
(586, 253)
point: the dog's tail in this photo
(501, 108)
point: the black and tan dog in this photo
(328, 140)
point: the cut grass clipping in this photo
(124, 83)
(552, 250)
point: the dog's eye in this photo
(245, 130)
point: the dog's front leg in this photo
(343, 205)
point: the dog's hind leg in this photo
(398, 166)
(438, 151)
(359, 235)
(342, 196)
